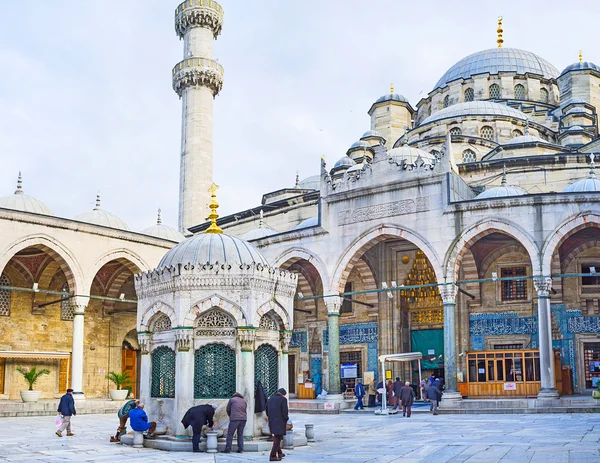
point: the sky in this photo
(86, 102)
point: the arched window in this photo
(161, 323)
(5, 295)
(267, 322)
(517, 133)
(163, 373)
(214, 372)
(215, 322)
(446, 101)
(544, 95)
(265, 368)
(469, 94)
(487, 132)
(469, 156)
(455, 131)
(66, 309)
(519, 92)
(494, 91)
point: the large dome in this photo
(19, 201)
(497, 60)
(476, 108)
(213, 248)
(100, 217)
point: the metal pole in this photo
(384, 410)
(420, 389)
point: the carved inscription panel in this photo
(379, 211)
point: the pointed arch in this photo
(124, 256)
(277, 309)
(212, 302)
(153, 310)
(293, 255)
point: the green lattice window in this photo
(163, 372)
(214, 372)
(265, 368)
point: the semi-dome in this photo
(311, 183)
(98, 216)
(476, 108)
(496, 60)
(581, 66)
(160, 230)
(591, 183)
(406, 156)
(19, 201)
(310, 222)
(524, 139)
(212, 248)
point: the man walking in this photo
(197, 417)
(277, 412)
(434, 394)
(139, 421)
(66, 408)
(372, 393)
(359, 392)
(123, 415)
(236, 411)
(396, 389)
(407, 396)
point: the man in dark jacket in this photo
(197, 417)
(66, 408)
(277, 412)
(236, 411)
(396, 388)
(359, 392)
(434, 394)
(407, 396)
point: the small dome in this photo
(101, 217)
(524, 139)
(476, 108)
(260, 232)
(501, 191)
(361, 144)
(591, 183)
(371, 134)
(356, 168)
(159, 230)
(212, 248)
(496, 60)
(311, 183)
(581, 66)
(19, 201)
(405, 156)
(343, 164)
(310, 222)
(391, 97)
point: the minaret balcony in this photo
(197, 72)
(198, 13)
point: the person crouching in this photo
(139, 421)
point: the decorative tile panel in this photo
(299, 340)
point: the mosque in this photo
(464, 227)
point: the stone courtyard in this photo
(339, 438)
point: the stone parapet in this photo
(197, 72)
(198, 13)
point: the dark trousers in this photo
(371, 400)
(276, 449)
(196, 438)
(359, 404)
(237, 425)
(406, 409)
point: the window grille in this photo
(469, 94)
(517, 133)
(267, 323)
(591, 280)
(163, 373)
(446, 101)
(265, 368)
(519, 92)
(214, 372)
(455, 131)
(514, 290)
(162, 323)
(487, 132)
(5, 296)
(469, 156)
(215, 322)
(66, 309)
(544, 95)
(494, 91)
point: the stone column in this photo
(448, 293)
(285, 336)
(184, 376)
(79, 304)
(548, 390)
(246, 336)
(333, 362)
(145, 366)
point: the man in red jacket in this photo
(236, 410)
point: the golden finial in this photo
(500, 40)
(580, 56)
(213, 216)
(392, 87)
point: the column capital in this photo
(144, 341)
(246, 336)
(79, 303)
(184, 339)
(448, 293)
(543, 285)
(285, 337)
(334, 304)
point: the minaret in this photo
(197, 80)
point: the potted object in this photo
(596, 392)
(31, 376)
(119, 380)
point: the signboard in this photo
(308, 385)
(329, 406)
(369, 377)
(595, 382)
(349, 370)
(388, 374)
(300, 378)
(431, 352)
(510, 386)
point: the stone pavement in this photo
(340, 438)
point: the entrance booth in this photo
(406, 357)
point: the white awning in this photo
(405, 357)
(33, 355)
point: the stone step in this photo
(9, 408)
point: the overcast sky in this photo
(86, 102)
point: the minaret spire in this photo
(97, 208)
(580, 56)
(158, 219)
(500, 40)
(297, 185)
(592, 166)
(19, 190)
(213, 216)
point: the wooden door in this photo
(2, 367)
(130, 366)
(292, 380)
(63, 375)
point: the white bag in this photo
(58, 421)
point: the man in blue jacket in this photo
(139, 421)
(359, 392)
(66, 408)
